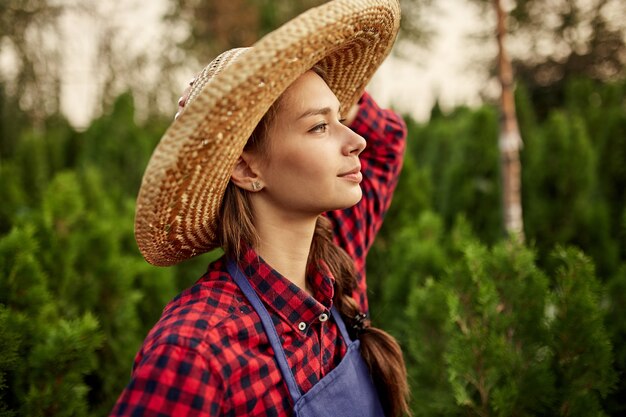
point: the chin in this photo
(341, 200)
(349, 202)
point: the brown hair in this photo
(380, 350)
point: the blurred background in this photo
(501, 267)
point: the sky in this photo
(443, 72)
(411, 86)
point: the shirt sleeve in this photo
(355, 228)
(171, 380)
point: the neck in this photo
(285, 243)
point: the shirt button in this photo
(323, 317)
(302, 326)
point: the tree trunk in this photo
(509, 140)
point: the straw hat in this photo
(178, 204)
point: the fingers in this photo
(183, 99)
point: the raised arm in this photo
(381, 161)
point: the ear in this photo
(245, 173)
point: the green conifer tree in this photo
(561, 200)
(9, 345)
(460, 154)
(492, 338)
(581, 345)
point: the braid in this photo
(379, 349)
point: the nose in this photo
(354, 143)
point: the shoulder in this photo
(202, 315)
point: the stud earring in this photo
(256, 186)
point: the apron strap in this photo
(268, 325)
(341, 325)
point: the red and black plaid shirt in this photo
(209, 356)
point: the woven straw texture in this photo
(178, 204)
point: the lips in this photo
(353, 175)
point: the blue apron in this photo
(346, 391)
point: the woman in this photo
(261, 163)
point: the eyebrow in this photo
(315, 112)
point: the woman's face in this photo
(311, 163)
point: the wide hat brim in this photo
(179, 200)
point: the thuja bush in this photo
(488, 328)
(617, 327)
(562, 199)
(602, 108)
(78, 297)
(459, 153)
(48, 355)
(496, 335)
(573, 167)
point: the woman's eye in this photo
(320, 128)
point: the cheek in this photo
(303, 163)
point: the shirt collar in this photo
(285, 298)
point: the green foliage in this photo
(562, 201)
(12, 122)
(32, 160)
(115, 142)
(424, 341)
(404, 260)
(460, 153)
(62, 355)
(602, 107)
(581, 344)
(497, 355)
(73, 285)
(90, 253)
(54, 353)
(615, 323)
(490, 334)
(494, 335)
(489, 327)
(9, 345)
